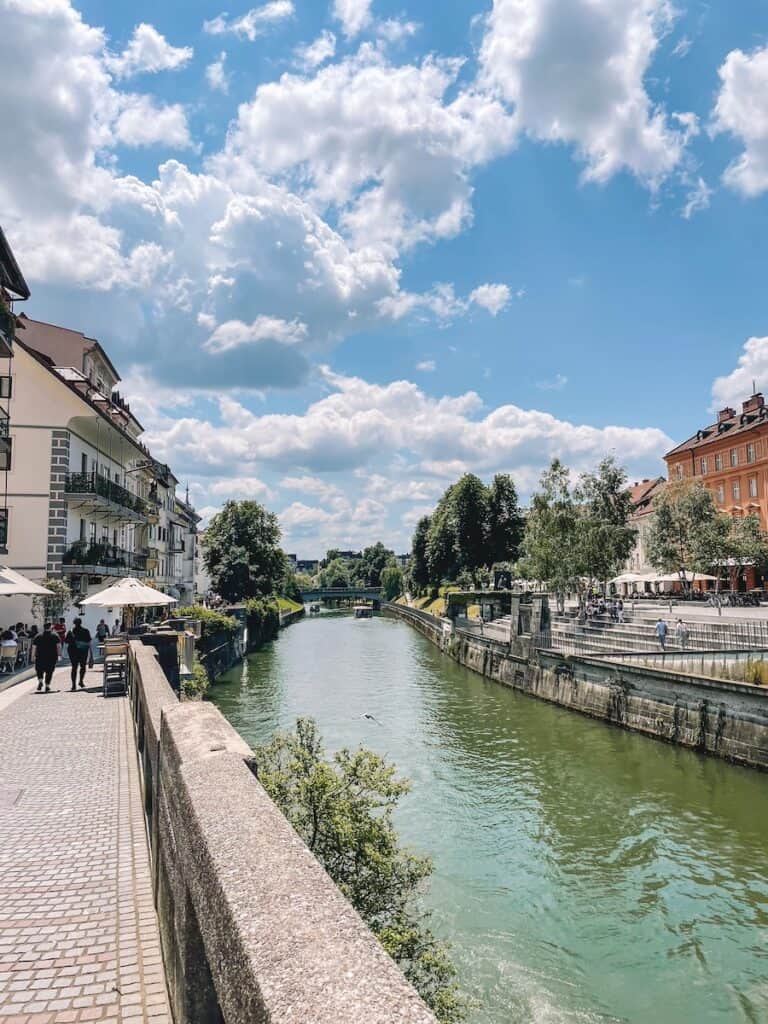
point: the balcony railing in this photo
(98, 486)
(115, 561)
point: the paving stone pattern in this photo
(78, 931)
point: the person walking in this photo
(78, 641)
(661, 633)
(682, 633)
(47, 648)
(60, 629)
(102, 631)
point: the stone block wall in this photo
(253, 930)
(728, 720)
(57, 506)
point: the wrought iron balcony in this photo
(103, 560)
(106, 496)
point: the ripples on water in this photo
(584, 874)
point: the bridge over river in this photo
(337, 595)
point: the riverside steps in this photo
(145, 876)
(617, 673)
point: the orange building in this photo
(730, 457)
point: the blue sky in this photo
(343, 251)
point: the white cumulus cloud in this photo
(235, 333)
(354, 15)
(575, 72)
(312, 55)
(253, 23)
(493, 297)
(216, 75)
(742, 111)
(751, 370)
(148, 51)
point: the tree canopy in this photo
(686, 532)
(242, 551)
(367, 569)
(392, 580)
(342, 808)
(335, 575)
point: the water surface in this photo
(582, 873)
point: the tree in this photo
(505, 522)
(52, 607)
(550, 547)
(242, 553)
(368, 568)
(392, 580)
(469, 498)
(744, 545)
(684, 534)
(342, 808)
(335, 575)
(418, 568)
(605, 537)
(289, 587)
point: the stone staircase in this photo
(638, 634)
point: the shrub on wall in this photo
(214, 623)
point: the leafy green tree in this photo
(684, 534)
(368, 568)
(330, 556)
(290, 587)
(335, 575)
(605, 536)
(418, 568)
(550, 547)
(304, 581)
(45, 607)
(242, 553)
(745, 544)
(505, 521)
(342, 808)
(442, 556)
(469, 498)
(392, 580)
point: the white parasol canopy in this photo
(675, 577)
(13, 584)
(628, 577)
(128, 592)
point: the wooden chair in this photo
(115, 667)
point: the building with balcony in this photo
(83, 498)
(643, 495)
(730, 458)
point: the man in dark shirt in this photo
(78, 641)
(46, 647)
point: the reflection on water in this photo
(582, 873)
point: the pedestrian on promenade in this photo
(78, 641)
(102, 631)
(620, 611)
(47, 649)
(60, 628)
(661, 633)
(682, 633)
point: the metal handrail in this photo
(95, 483)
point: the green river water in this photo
(582, 873)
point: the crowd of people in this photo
(596, 607)
(21, 644)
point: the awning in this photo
(128, 592)
(13, 584)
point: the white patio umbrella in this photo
(627, 577)
(13, 584)
(125, 593)
(675, 577)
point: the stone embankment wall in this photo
(728, 720)
(252, 928)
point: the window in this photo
(736, 491)
(750, 453)
(734, 457)
(753, 487)
(3, 527)
(92, 532)
(679, 471)
(6, 387)
(718, 462)
(703, 464)
(82, 530)
(720, 494)
(6, 447)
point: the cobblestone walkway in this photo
(78, 932)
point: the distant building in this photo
(643, 495)
(730, 458)
(402, 560)
(291, 559)
(310, 566)
(350, 556)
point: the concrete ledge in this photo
(252, 927)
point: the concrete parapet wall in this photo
(253, 929)
(725, 719)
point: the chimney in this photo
(726, 414)
(753, 403)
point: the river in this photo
(582, 873)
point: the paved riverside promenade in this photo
(78, 933)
